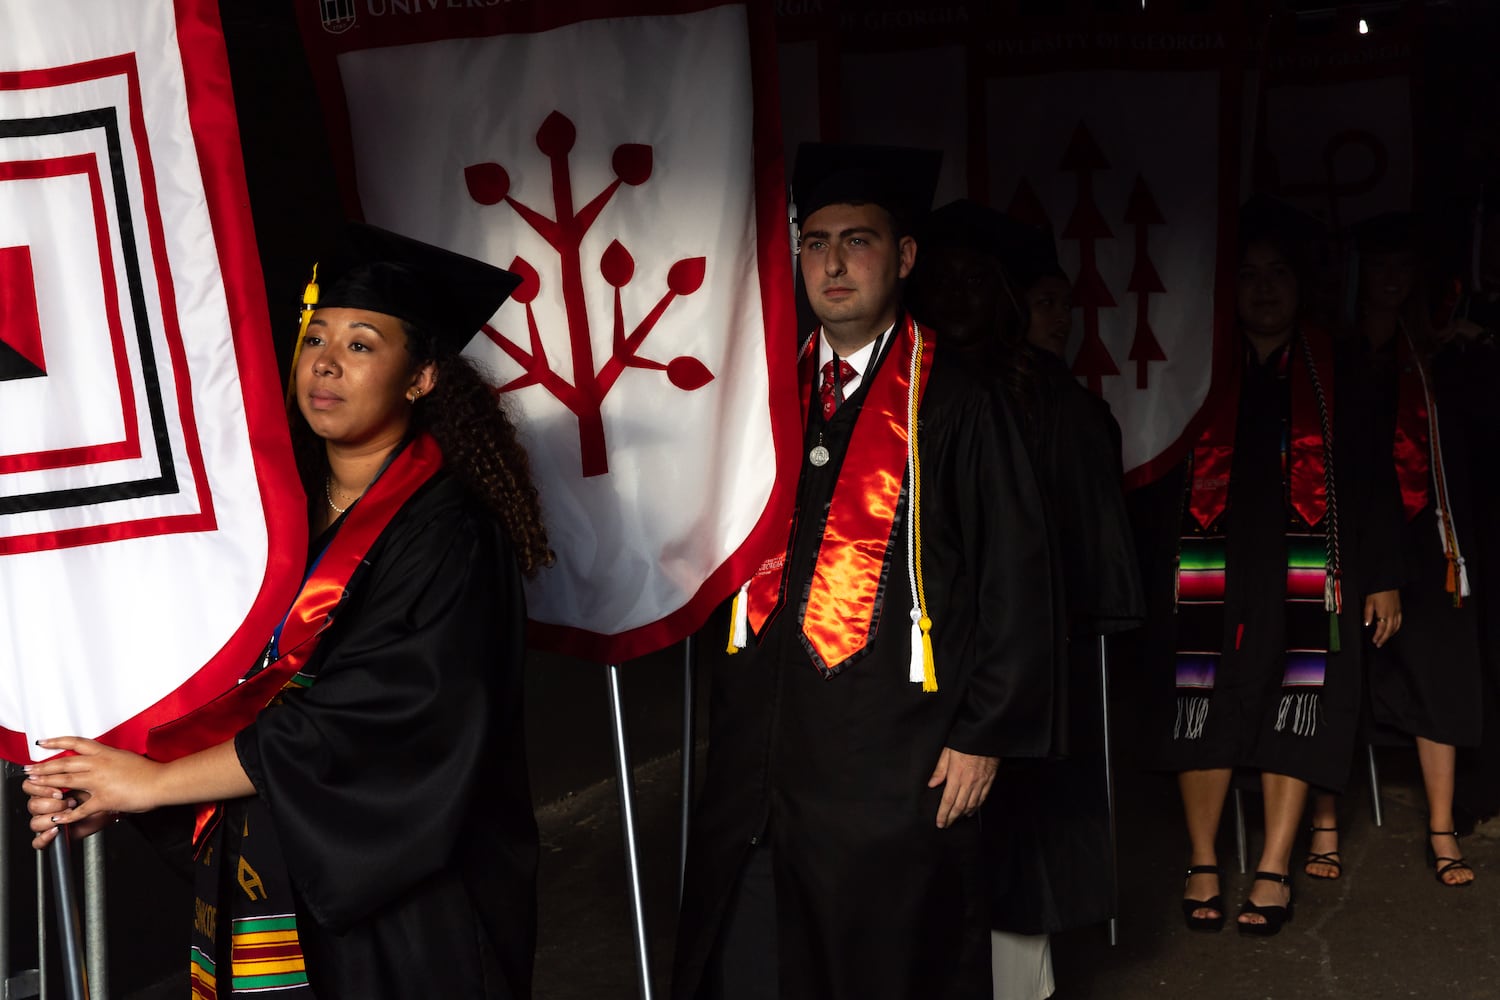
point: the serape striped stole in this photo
(1312, 595)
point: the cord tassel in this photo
(739, 620)
(309, 304)
(920, 654)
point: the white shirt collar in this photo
(860, 360)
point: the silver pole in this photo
(1374, 786)
(689, 743)
(1240, 845)
(5, 886)
(41, 927)
(627, 819)
(70, 937)
(1109, 798)
(95, 925)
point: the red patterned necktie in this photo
(832, 390)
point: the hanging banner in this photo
(624, 159)
(152, 529)
(1124, 143)
(1332, 121)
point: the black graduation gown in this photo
(397, 782)
(1240, 729)
(873, 900)
(1046, 823)
(1426, 681)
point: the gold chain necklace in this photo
(328, 495)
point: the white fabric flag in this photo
(627, 167)
(145, 475)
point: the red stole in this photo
(1413, 448)
(1306, 467)
(310, 614)
(843, 598)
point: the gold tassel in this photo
(309, 303)
(734, 616)
(929, 669)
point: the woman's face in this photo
(1050, 301)
(355, 378)
(1267, 291)
(1386, 279)
(963, 291)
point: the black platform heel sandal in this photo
(1206, 925)
(1330, 858)
(1274, 916)
(1453, 864)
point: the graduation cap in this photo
(1264, 219)
(445, 295)
(899, 179)
(1026, 252)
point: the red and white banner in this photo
(151, 525)
(1134, 169)
(624, 158)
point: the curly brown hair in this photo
(478, 441)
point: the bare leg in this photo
(1202, 805)
(1325, 837)
(1438, 762)
(1284, 796)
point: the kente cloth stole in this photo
(841, 604)
(243, 891)
(1313, 587)
(1418, 451)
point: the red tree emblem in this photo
(489, 184)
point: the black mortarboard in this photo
(1264, 219)
(1026, 253)
(1389, 232)
(897, 178)
(446, 295)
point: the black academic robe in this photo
(397, 783)
(1046, 823)
(873, 900)
(1240, 728)
(1427, 680)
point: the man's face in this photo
(1267, 291)
(852, 263)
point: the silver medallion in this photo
(818, 456)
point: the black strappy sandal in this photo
(1327, 858)
(1453, 864)
(1206, 925)
(1274, 916)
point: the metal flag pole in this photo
(689, 743)
(627, 820)
(95, 925)
(1109, 796)
(70, 935)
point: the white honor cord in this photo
(1447, 530)
(916, 672)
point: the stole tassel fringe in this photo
(1192, 715)
(1301, 709)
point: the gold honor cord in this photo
(921, 622)
(309, 303)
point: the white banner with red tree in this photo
(627, 167)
